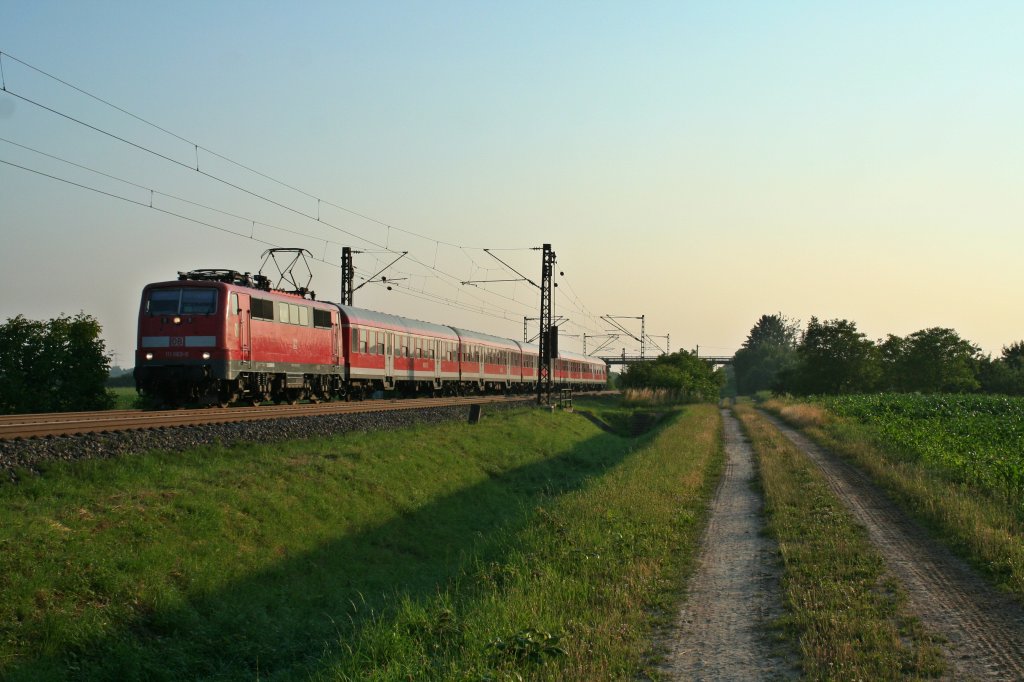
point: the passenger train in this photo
(222, 337)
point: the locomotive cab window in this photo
(182, 301)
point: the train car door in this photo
(435, 358)
(389, 360)
(335, 347)
(240, 317)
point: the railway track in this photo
(50, 425)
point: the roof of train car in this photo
(534, 349)
(362, 316)
(578, 357)
(480, 337)
(241, 288)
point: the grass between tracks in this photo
(983, 529)
(848, 619)
(530, 546)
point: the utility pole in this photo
(348, 273)
(546, 342)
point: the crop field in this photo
(972, 439)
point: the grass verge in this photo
(984, 530)
(530, 546)
(847, 616)
(126, 398)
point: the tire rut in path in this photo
(984, 629)
(720, 631)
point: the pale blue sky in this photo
(699, 163)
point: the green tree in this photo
(833, 357)
(683, 372)
(769, 349)
(999, 376)
(1013, 355)
(52, 366)
(933, 360)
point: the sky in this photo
(696, 163)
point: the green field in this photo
(125, 398)
(972, 439)
(531, 546)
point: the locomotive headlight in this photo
(149, 356)
(206, 356)
(177, 320)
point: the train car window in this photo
(321, 318)
(294, 316)
(234, 304)
(282, 312)
(355, 339)
(389, 344)
(304, 315)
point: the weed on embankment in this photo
(530, 546)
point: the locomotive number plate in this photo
(177, 340)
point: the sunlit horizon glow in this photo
(697, 164)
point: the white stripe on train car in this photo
(199, 341)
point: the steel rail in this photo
(14, 427)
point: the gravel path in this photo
(983, 628)
(720, 633)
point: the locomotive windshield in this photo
(182, 301)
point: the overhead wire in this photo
(465, 249)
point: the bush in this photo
(57, 365)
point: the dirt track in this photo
(720, 632)
(984, 629)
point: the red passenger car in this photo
(384, 352)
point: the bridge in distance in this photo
(628, 359)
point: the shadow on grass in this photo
(287, 622)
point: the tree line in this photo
(56, 365)
(832, 357)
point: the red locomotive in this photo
(220, 337)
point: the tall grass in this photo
(652, 397)
(530, 546)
